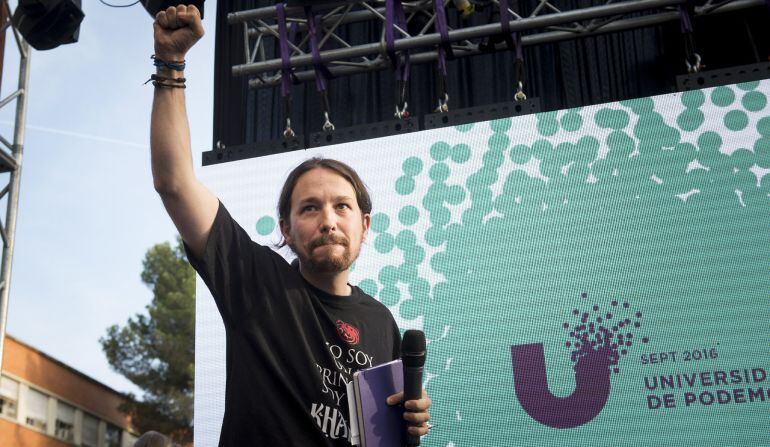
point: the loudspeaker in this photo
(46, 24)
(155, 6)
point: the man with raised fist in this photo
(295, 333)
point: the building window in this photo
(112, 436)
(90, 431)
(37, 409)
(9, 397)
(65, 422)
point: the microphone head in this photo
(413, 348)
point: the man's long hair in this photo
(345, 171)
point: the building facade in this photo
(45, 403)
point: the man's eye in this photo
(308, 208)
(343, 206)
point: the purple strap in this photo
(394, 15)
(505, 17)
(286, 72)
(322, 74)
(443, 29)
(519, 60)
(511, 38)
(684, 18)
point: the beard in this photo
(330, 263)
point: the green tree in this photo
(156, 351)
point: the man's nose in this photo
(328, 220)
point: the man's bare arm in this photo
(191, 205)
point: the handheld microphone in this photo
(413, 360)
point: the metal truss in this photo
(547, 23)
(10, 163)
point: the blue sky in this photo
(88, 211)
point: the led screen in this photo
(593, 276)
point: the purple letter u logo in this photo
(592, 378)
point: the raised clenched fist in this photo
(176, 31)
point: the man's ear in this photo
(367, 221)
(285, 230)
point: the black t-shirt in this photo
(291, 348)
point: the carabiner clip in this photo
(402, 113)
(443, 104)
(328, 126)
(520, 96)
(288, 132)
(696, 67)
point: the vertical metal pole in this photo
(4, 15)
(13, 191)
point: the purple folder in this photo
(379, 424)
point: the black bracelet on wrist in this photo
(155, 77)
(159, 84)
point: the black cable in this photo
(119, 6)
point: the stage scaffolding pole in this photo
(11, 163)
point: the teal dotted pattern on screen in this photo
(657, 203)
